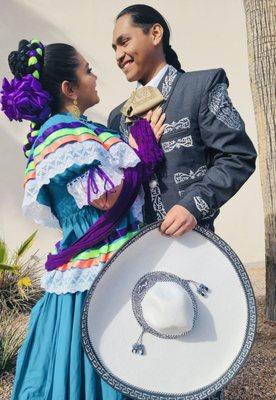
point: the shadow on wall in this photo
(13, 226)
(12, 165)
(20, 21)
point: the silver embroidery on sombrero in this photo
(183, 123)
(221, 106)
(217, 396)
(235, 366)
(182, 177)
(144, 284)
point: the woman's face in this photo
(87, 95)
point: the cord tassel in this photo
(92, 185)
(138, 348)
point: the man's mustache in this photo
(121, 64)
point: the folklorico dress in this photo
(51, 363)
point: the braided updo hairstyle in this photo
(51, 65)
(27, 60)
(145, 17)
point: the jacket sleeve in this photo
(114, 117)
(109, 120)
(233, 155)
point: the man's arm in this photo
(232, 154)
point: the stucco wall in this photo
(205, 34)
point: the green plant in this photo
(12, 333)
(19, 276)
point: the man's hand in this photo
(178, 221)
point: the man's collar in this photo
(156, 79)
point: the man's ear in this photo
(68, 90)
(157, 32)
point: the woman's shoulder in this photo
(64, 149)
(61, 129)
(63, 120)
(66, 120)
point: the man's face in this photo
(134, 49)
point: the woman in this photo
(84, 179)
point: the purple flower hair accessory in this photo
(25, 99)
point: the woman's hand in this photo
(156, 119)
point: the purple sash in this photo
(149, 153)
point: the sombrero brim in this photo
(189, 368)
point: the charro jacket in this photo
(208, 155)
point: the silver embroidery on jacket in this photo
(156, 200)
(182, 177)
(124, 129)
(186, 141)
(168, 81)
(221, 106)
(155, 191)
(183, 123)
(202, 206)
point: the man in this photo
(208, 155)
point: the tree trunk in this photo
(261, 40)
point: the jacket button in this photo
(153, 184)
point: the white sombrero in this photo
(170, 318)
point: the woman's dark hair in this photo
(60, 64)
(145, 17)
(56, 63)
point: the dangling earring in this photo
(74, 109)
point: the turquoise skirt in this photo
(51, 363)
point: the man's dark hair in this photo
(145, 17)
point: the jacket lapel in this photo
(154, 209)
(168, 83)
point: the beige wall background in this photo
(205, 34)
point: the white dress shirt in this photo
(156, 79)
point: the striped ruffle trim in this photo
(82, 270)
(93, 257)
(59, 135)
